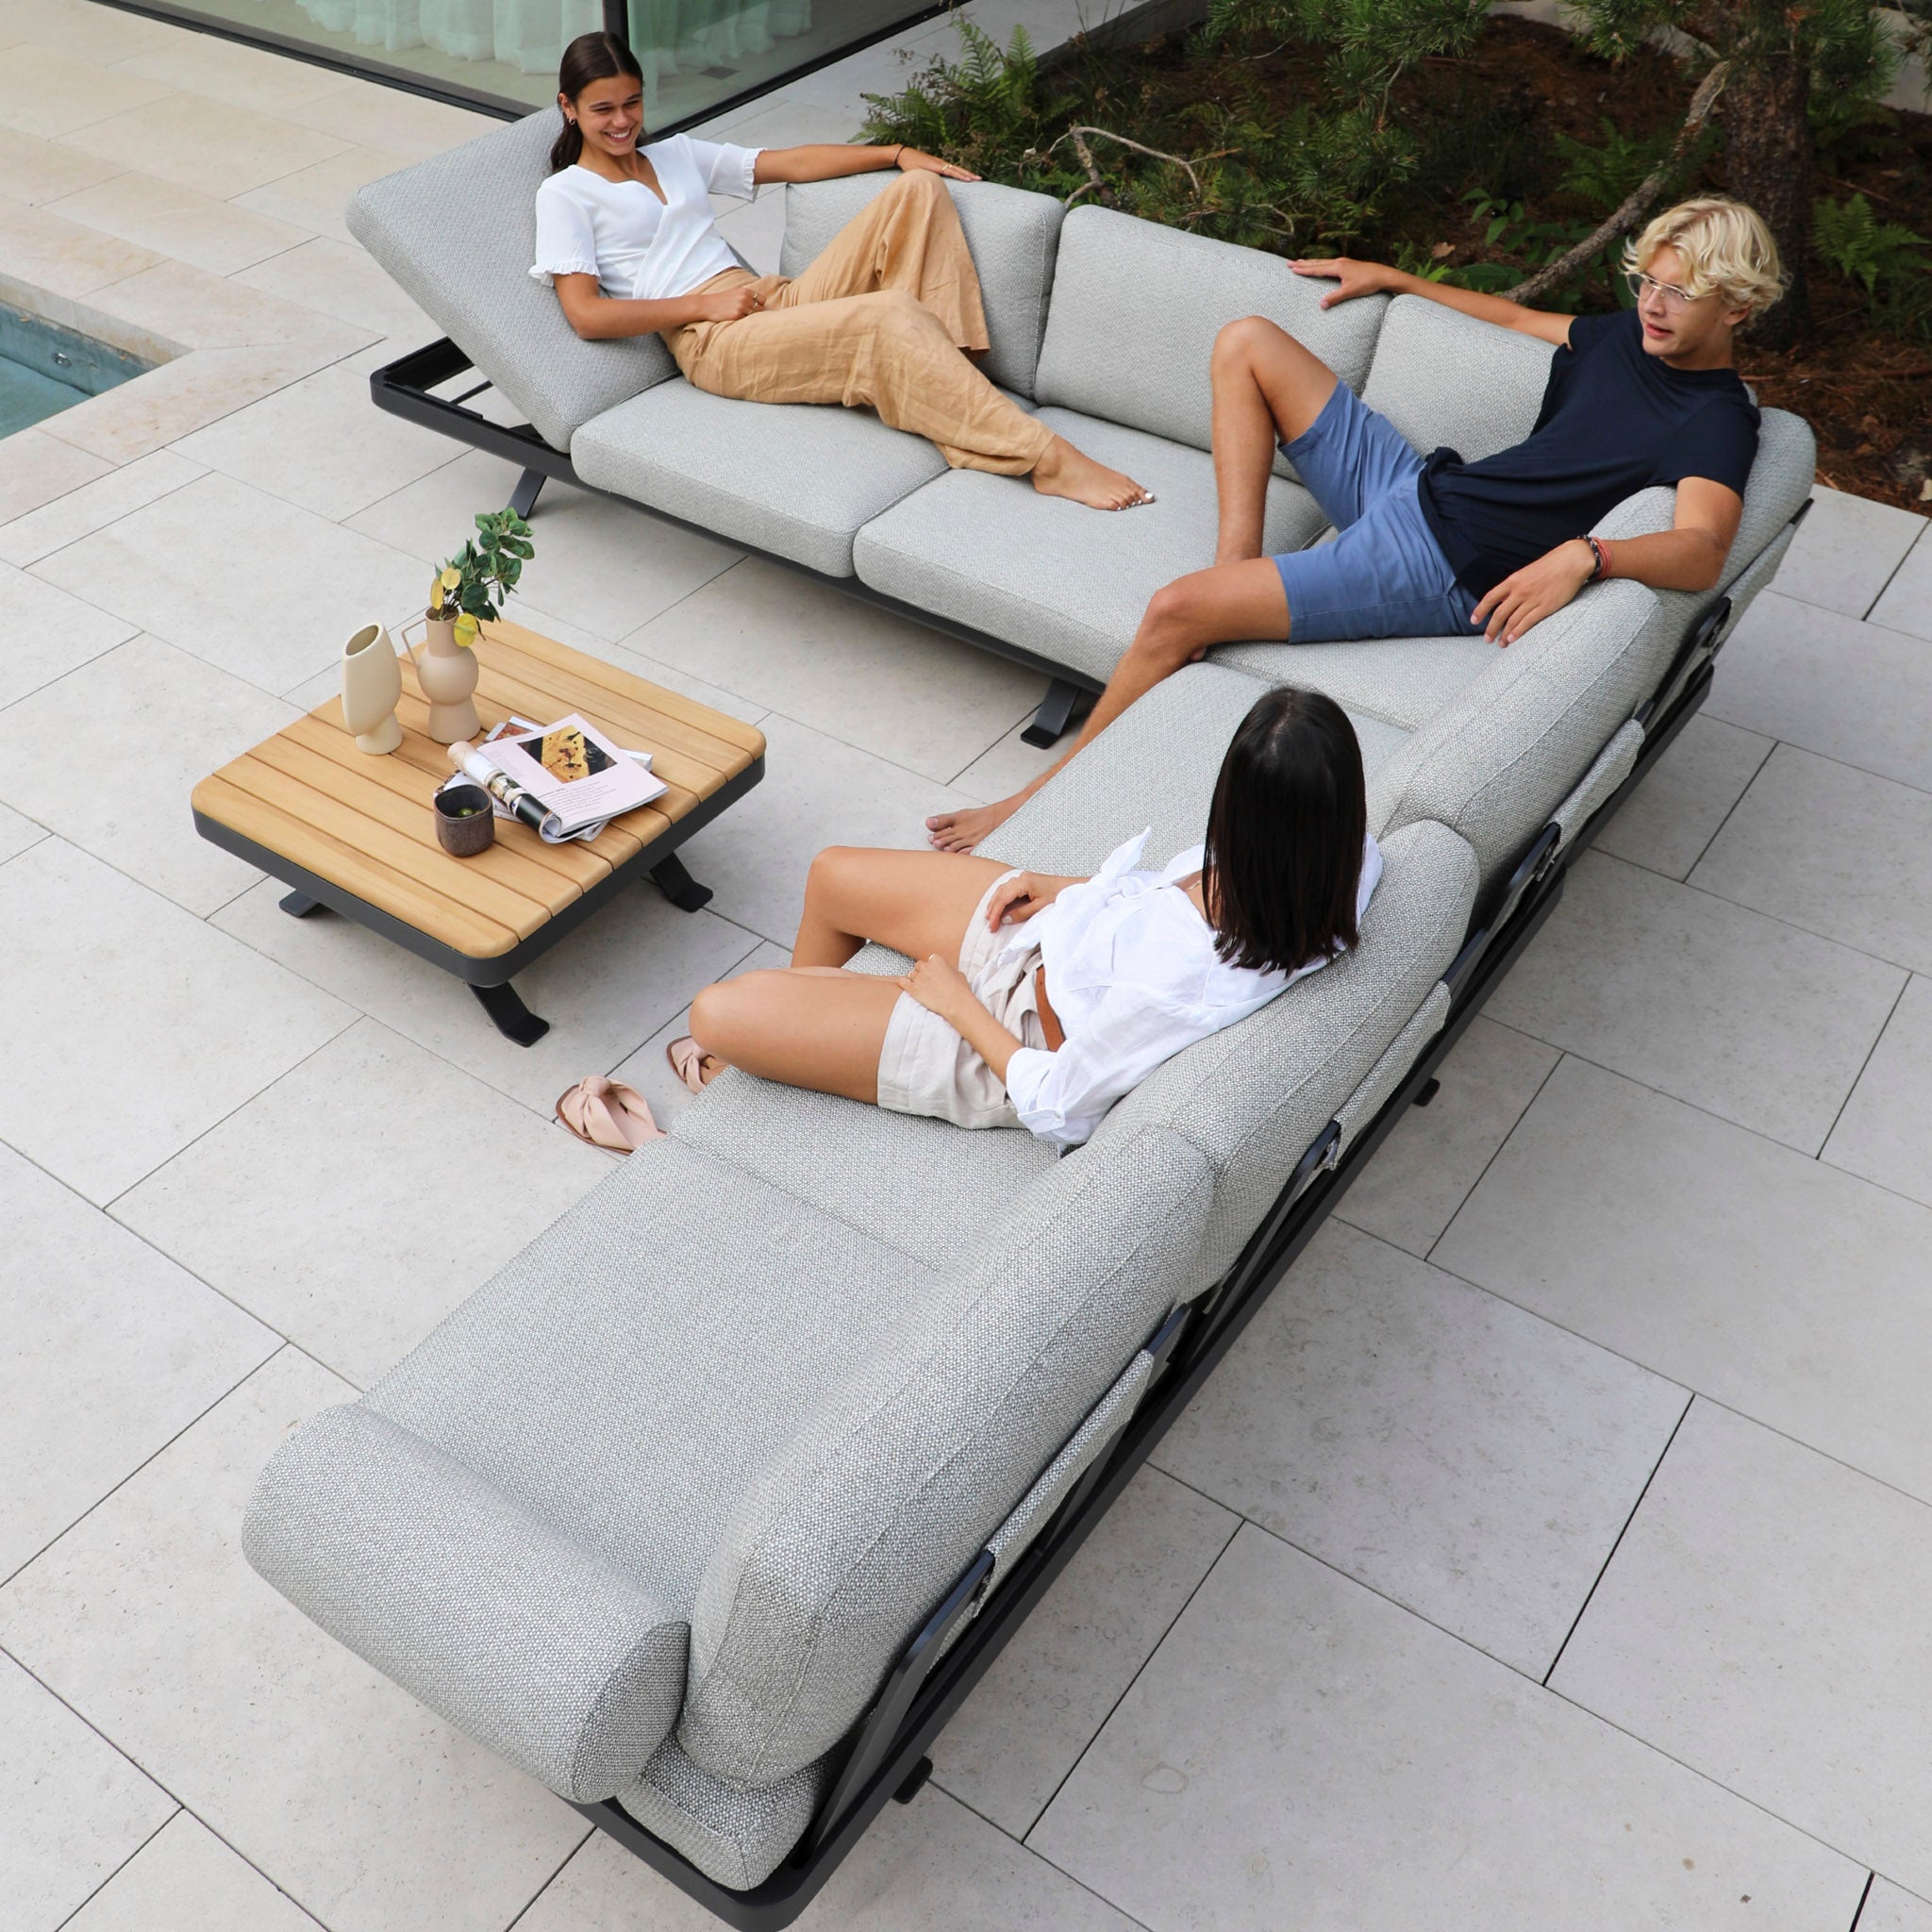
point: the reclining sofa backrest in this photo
(1136, 308)
(456, 232)
(1013, 235)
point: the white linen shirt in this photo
(1134, 978)
(636, 245)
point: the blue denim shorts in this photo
(1385, 576)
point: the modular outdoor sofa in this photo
(713, 1505)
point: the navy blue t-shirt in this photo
(1614, 421)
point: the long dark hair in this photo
(588, 58)
(1285, 835)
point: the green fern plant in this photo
(1855, 245)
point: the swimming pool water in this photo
(46, 368)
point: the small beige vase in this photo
(448, 673)
(372, 684)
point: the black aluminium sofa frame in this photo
(886, 1759)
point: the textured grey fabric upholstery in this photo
(1136, 308)
(1067, 582)
(1613, 764)
(856, 1529)
(1010, 232)
(1389, 1072)
(1442, 378)
(458, 232)
(1154, 765)
(1253, 1096)
(733, 1833)
(512, 1631)
(871, 1169)
(795, 478)
(1402, 681)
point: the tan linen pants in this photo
(880, 318)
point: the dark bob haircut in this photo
(1285, 835)
(588, 58)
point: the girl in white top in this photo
(1067, 992)
(885, 316)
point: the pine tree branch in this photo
(1093, 180)
(1636, 202)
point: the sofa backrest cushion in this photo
(852, 1532)
(1444, 378)
(1252, 1097)
(1011, 232)
(1136, 308)
(457, 233)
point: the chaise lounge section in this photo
(713, 1505)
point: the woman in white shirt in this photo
(886, 315)
(1067, 992)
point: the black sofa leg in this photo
(522, 499)
(678, 886)
(299, 904)
(1054, 714)
(512, 1018)
(1427, 1092)
(915, 1782)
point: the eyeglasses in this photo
(1677, 298)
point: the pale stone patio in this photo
(1553, 1553)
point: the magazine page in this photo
(575, 770)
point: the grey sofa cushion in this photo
(854, 1529)
(458, 232)
(1400, 681)
(1443, 377)
(516, 1634)
(1136, 308)
(736, 1834)
(872, 1170)
(1010, 232)
(799, 480)
(1064, 581)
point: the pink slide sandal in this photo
(607, 1113)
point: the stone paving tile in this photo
(386, 117)
(42, 246)
(199, 310)
(203, 569)
(867, 676)
(1046, 1696)
(34, 170)
(228, 71)
(1423, 1170)
(192, 140)
(1762, 1620)
(320, 444)
(1782, 1286)
(1885, 1132)
(354, 1203)
(35, 468)
(1858, 692)
(130, 1026)
(47, 92)
(179, 221)
(930, 1864)
(106, 33)
(371, 1812)
(185, 1879)
(75, 1807)
(1907, 602)
(1302, 1753)
(340, 278)
(1000, 770)
(604, 988)
(1457, 1454)
(315, 197)
(1686, 992)
(17, 833)
(112, 1350)
(49, 633)
(156, 720)
(1833, 849)
(1845, 550)
(1667, 821)
(1892, 1908)
(103, 498)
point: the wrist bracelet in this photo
(1601, 566)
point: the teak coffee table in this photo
(356, 833)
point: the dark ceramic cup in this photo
(465, 826)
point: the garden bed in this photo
(1523, 145)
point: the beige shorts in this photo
(926, 1067)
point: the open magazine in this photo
(581, 779)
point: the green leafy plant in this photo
(471, 588)
(1852, 242)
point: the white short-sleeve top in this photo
(1135, 977)
(636, 245)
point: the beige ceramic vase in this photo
(372, 684)
(448, 673)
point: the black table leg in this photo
(514, 1020)
(678, 886)
(299, 904)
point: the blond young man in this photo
(1430, 545)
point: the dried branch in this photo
(1636, 202)
(1078, 137)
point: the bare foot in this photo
(960, 831)
(1064, 470)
